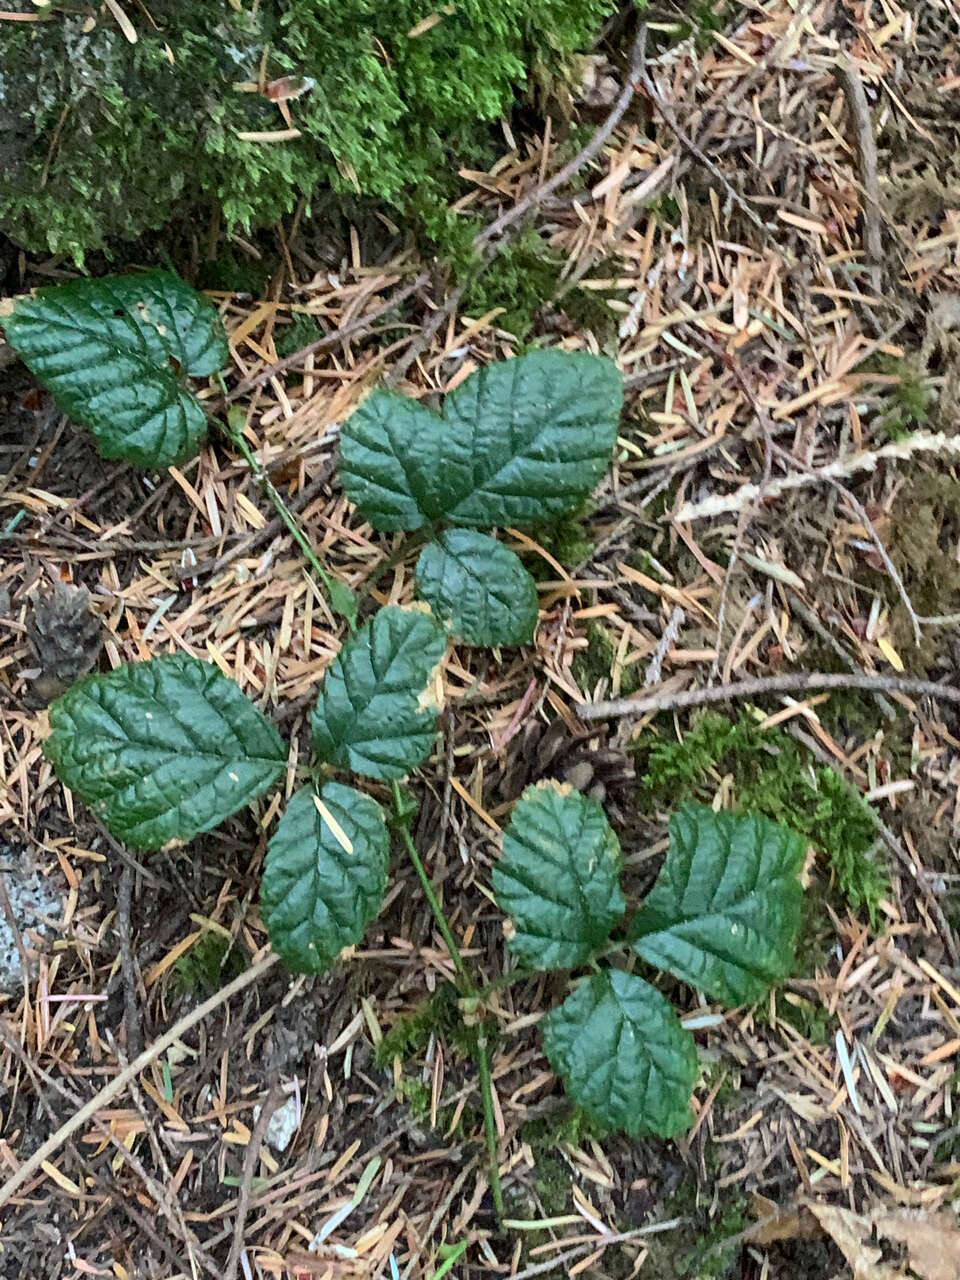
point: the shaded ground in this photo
(745, 314)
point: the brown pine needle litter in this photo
(764, 231)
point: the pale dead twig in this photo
(898, 451)
(793, 682)
(250, 1158)
(635, 73)
(859, 110)
(770, 447)
(131, 1018)
(130, 1072)
(670, 633)
(601, 1242)
(424, 338)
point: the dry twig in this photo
(859, 109)
(635, 73)
(920, 442)
(794, 682)
(131, 1018)
(250, 1158)
(119, 1082)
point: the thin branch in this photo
(667, 640)
(131, 1016)
(689, 145)
(250, 1158)
(859, 111)
(795, 682)
(599, 1242)
(582, 158)
(334, 339)
(424, 338)
(897, 451)
(120, 1081)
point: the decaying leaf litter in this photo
(727, 230)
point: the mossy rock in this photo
(102, 140)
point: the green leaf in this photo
(478, 588)
(162, 750)
(325, 875)
(725, 910)
(520, 441)
(623, 1055)
(374, 715)
(343, 600)
(558, 877)
(115, 353)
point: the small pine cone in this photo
(550, 751)
(66, 636)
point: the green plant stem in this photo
(458, 1252)
(468, 987)
(342, 599)
(441, 919)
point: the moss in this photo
(697, 1249)
(235, 272)
(568, 540)
(712, 1257)
(102, 140)
(586, 309)
(595, 662)
(704, 19)
(409, 1036)
(553, 1179)
(813, 1021)
(208, 965)
(520, 280)
(417, 1095)
(523, 280)
(773, 775)
(300, 332)
(570, 1125)
(554, 1185)
(922, 542)
(908, 402)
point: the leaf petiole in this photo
(342, 599)
(478, 1039)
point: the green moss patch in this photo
(773, 775)
(102, 140)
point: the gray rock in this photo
(34, 901)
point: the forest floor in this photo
(768, 241)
